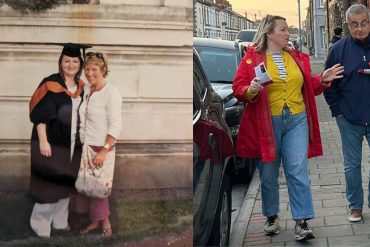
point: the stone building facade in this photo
(315, 28)
(216, 19)
(149, 45)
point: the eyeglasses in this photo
(98, 55)
(356, 25)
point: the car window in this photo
(219, 64)
(199, 81)
(196, 100)
(247, 36)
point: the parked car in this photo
(246, 36)
(293, 44)
(213, 164)
(220, 60)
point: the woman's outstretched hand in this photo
(333, 73)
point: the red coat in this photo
(256, 136)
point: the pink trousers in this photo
(98, 209)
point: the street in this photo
(330, 226)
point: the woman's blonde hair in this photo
(267, 26)
(98, 58)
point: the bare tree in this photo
(346, 4)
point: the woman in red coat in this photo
(280, 123)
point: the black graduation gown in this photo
(53, 178)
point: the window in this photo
(207, 17)
(247, 35)
(219, 64)
(217, 19)
(321, 3)
(196, 102)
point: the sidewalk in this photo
(313, 60)
(330, 226)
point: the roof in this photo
(225, 44)
(251, 29)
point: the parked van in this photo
(246, 36)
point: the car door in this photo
(207, 154)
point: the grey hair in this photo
(357, 9)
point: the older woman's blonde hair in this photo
(98, 58)
(267, 26)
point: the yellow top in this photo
(288, 91)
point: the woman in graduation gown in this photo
(55, 143)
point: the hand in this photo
(45, 148)
(332, 73)
(255, 86)
(100, 157)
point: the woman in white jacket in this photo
(101, 124)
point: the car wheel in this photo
(220, 235)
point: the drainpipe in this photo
(299, 24)
(312, 25)
(327, 21)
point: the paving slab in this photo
(347, 241)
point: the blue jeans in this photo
(291, 140)
(352, 136)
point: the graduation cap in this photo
(73, 49)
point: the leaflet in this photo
(262, 74)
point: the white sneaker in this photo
(272, 225)
(303, 232)
(354, 215)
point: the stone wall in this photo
(149, 45)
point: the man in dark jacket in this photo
(336, 37)
(349, 101)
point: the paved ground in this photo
(238, 194)
(330, 226)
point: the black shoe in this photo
(272, 225)
(303, 232)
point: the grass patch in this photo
(131, 221)
(141, 219)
